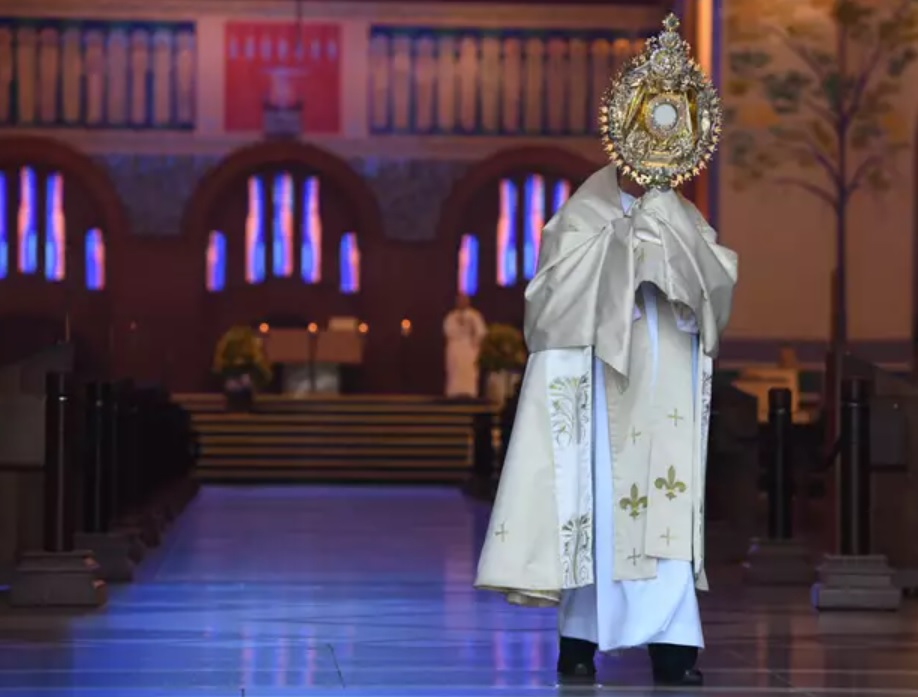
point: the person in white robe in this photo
(464, 329)
(600, 508)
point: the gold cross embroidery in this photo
(634, 557)
(668, 536)
(635, 434)
(676, 417)
(501, 532)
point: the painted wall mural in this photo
(273, 69)
(97, 74)
(455, 81)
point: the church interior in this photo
(234, 459)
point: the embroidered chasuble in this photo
(639, 301)
(653, 429)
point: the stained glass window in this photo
(282, 237)
(533, 222)
(255, 233)
(468, 265)
(27, 232)
(277, 220)
(38, 243)
(4, 237)
(525, 205)
(216, 262)
(311, 242)
(506, 235)
(349, 262)
(562, 193)
(95, 260)
(55, 229)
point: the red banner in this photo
(269, 70)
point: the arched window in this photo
(525, 205)
(4, 237)
(468, 266)
(216, 261)
(55, 231)
(349, 261)
(34, 235)
(95, 260)
(255, 233)
(283, 216)
(282, 234)
(311, 239)
(27, 222)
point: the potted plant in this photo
(502, 358)
(241, 363)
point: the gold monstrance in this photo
(661, 118)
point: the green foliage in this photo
(812, 80)
(240, 353)
(503, 348)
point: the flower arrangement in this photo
(503, 349)
(240, 359)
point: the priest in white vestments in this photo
(464, 329)
(600, 509)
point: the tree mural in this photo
(813, 86)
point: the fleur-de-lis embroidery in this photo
(570, 409)
(634, 504)
(672, 485)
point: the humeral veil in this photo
(602, 268)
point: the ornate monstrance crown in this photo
(661, 119)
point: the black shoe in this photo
(690, 678)
(575, 661)
(578, 674)
(674, 666)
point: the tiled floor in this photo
(307, 591)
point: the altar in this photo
(313, 360)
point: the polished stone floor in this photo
(263, 592)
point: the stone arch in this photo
(279, 153)
(551, 159)
(471, 207)
(38, 310)
(286, 297)
(49, 152)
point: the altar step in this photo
(365, 438)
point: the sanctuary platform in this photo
(335, 438)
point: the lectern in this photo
(310, 360)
